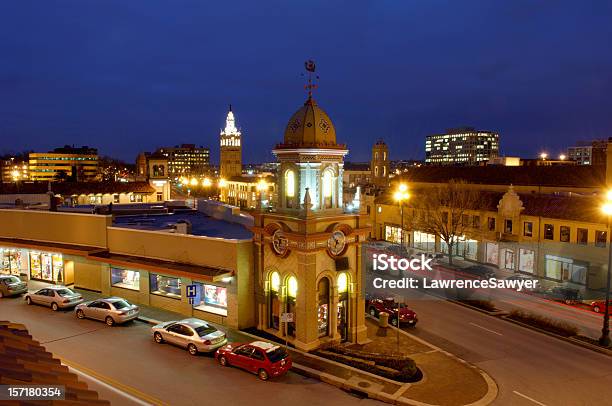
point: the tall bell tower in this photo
(308, 251)
(230, 162)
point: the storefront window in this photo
(508, 259)
(165, 286)
(564, 269)
(492, 253)
(125, 278)
(46, 266)
(526, 260)
(424, 241)
(13, 261)
(211, 298)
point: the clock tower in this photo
(308, 251)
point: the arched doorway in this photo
(323, 307)
(343, 303)
(292, 287)
(274, 301)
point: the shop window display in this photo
(211, 298)
(47, 267)
(125, 278)
(165, 286)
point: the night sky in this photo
(131, 75)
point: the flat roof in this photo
(201, 224)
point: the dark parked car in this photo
(406, 316)
(564, 294)
(480, 271)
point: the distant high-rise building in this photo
(78, 164)
(380, 164)
(186, 160)
(461, 146)
(588, 152)
(230, 163)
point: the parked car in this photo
(56, 297)
(599, 306)
(258, 357)
(564, 294)
(111, 310)
(480, 271)
(193, 334)
(406, 316)
(11, 285)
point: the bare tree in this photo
(440, 211)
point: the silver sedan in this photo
(56, 297)
(193, 334)
(112, 310)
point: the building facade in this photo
(186, 160)
(461, 146)
(588, 153)
(77, 164)
(230, 161)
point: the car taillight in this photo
(207, 342)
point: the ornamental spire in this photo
(310, 66)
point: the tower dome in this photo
(310, 126)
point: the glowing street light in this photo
(604, 340)
(222, 182)
(543, 155)
(194, 182)
(262, 185)
(206, 182)
(400, 196)
(562, 157)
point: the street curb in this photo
(570, 340)
(148, 320)
(497, 313)
(492, 390)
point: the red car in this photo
(390, 306)
(264, 359)
(599, 306)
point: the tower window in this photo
(290, 183)
(328, 184)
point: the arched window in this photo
(292, 287)
(274, 301)
(384, 171)
(376, 171)
(323, 310)
(328, 186)
(290, 188)
(342, 311)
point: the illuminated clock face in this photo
(336, 243)
(280, 244)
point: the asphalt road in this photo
(530, 368)
(127, 355)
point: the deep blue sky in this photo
(131, 75)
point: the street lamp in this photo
(262, 187)
(400, 196)
(543, 155)
(604, 340)
(206, 182)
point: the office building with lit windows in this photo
(14, 170)
(78, 164)
(186, 159)
(461, 146)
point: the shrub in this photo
(399, 368)
(545, 323)
(481, 304)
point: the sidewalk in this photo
(447, 379)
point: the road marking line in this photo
(115, 386)
(485, 329)
(528, 398)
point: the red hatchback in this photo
(264, 359)
(599, 306)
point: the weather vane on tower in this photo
(310, 86)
